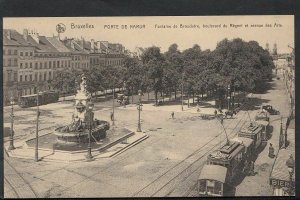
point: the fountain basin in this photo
(76, 137)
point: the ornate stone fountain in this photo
(78, 130)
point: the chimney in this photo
(25, 34)
(72, 44)
(9, 35)
(98, 45)
(92, 45)
(34, 35)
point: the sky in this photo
(206, 35)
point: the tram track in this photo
(155, 184)
(17, 182)
(119, 160)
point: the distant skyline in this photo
(151, 31)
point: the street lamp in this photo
(182, 91)
(228, 97)
(139, 109)
(11, 138)
(37, 127)
(291, 167)
(91, 120)
(113, 114)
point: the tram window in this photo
(218, 187)
(202, 186)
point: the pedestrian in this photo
(246, 167)
(124, 102)
(198, 109)
(112, 116)
(216, 112)
(172, 114)
(221, 119)
(252, 173)
(271, 151)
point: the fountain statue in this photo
(78, 130)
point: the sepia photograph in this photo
(149, 106)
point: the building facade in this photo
(31, 61)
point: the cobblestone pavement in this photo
(15, 186)
(167, 160)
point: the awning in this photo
(242, 140)
(213, 172)
(280, 169)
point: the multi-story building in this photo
(79, 56)
(49, 56)
(11, 49)
(31, 60)
(34, 61)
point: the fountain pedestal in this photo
(78, 130)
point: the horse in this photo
(230, 113)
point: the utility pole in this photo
(182, 92)
(113, 117)
(37, 126)
(11, 138)
(139, 109)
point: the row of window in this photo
(41, 77)
(106, 62)
(12, 76)
(10, 52)
(85, 65)
(52, 55)
(46, 65)
(80, 57)
(26, 53)
(10, 62)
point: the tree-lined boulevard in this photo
(234, 66)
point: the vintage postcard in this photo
(189, 106)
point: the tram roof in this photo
(263, 122)
(213, 172)
(243, 140)
(251, 128)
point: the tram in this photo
(228, 162)
(44, 98)
(262, 118)
(221, 167)
(254, 131)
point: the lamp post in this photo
(182, 91)
(11, 138)
(228, 97)
(113, 114)
(37, 127)
(291, 167)
(89, 156)
(139, 109)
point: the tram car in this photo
(223, 166)
(44, 98)
(262, 118)
(254, 131)
(228, 162)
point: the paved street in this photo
(168, 163)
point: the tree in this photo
(64, 80)
(172, 71)
(133, 74)
(153, 62)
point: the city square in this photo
(116, 134)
